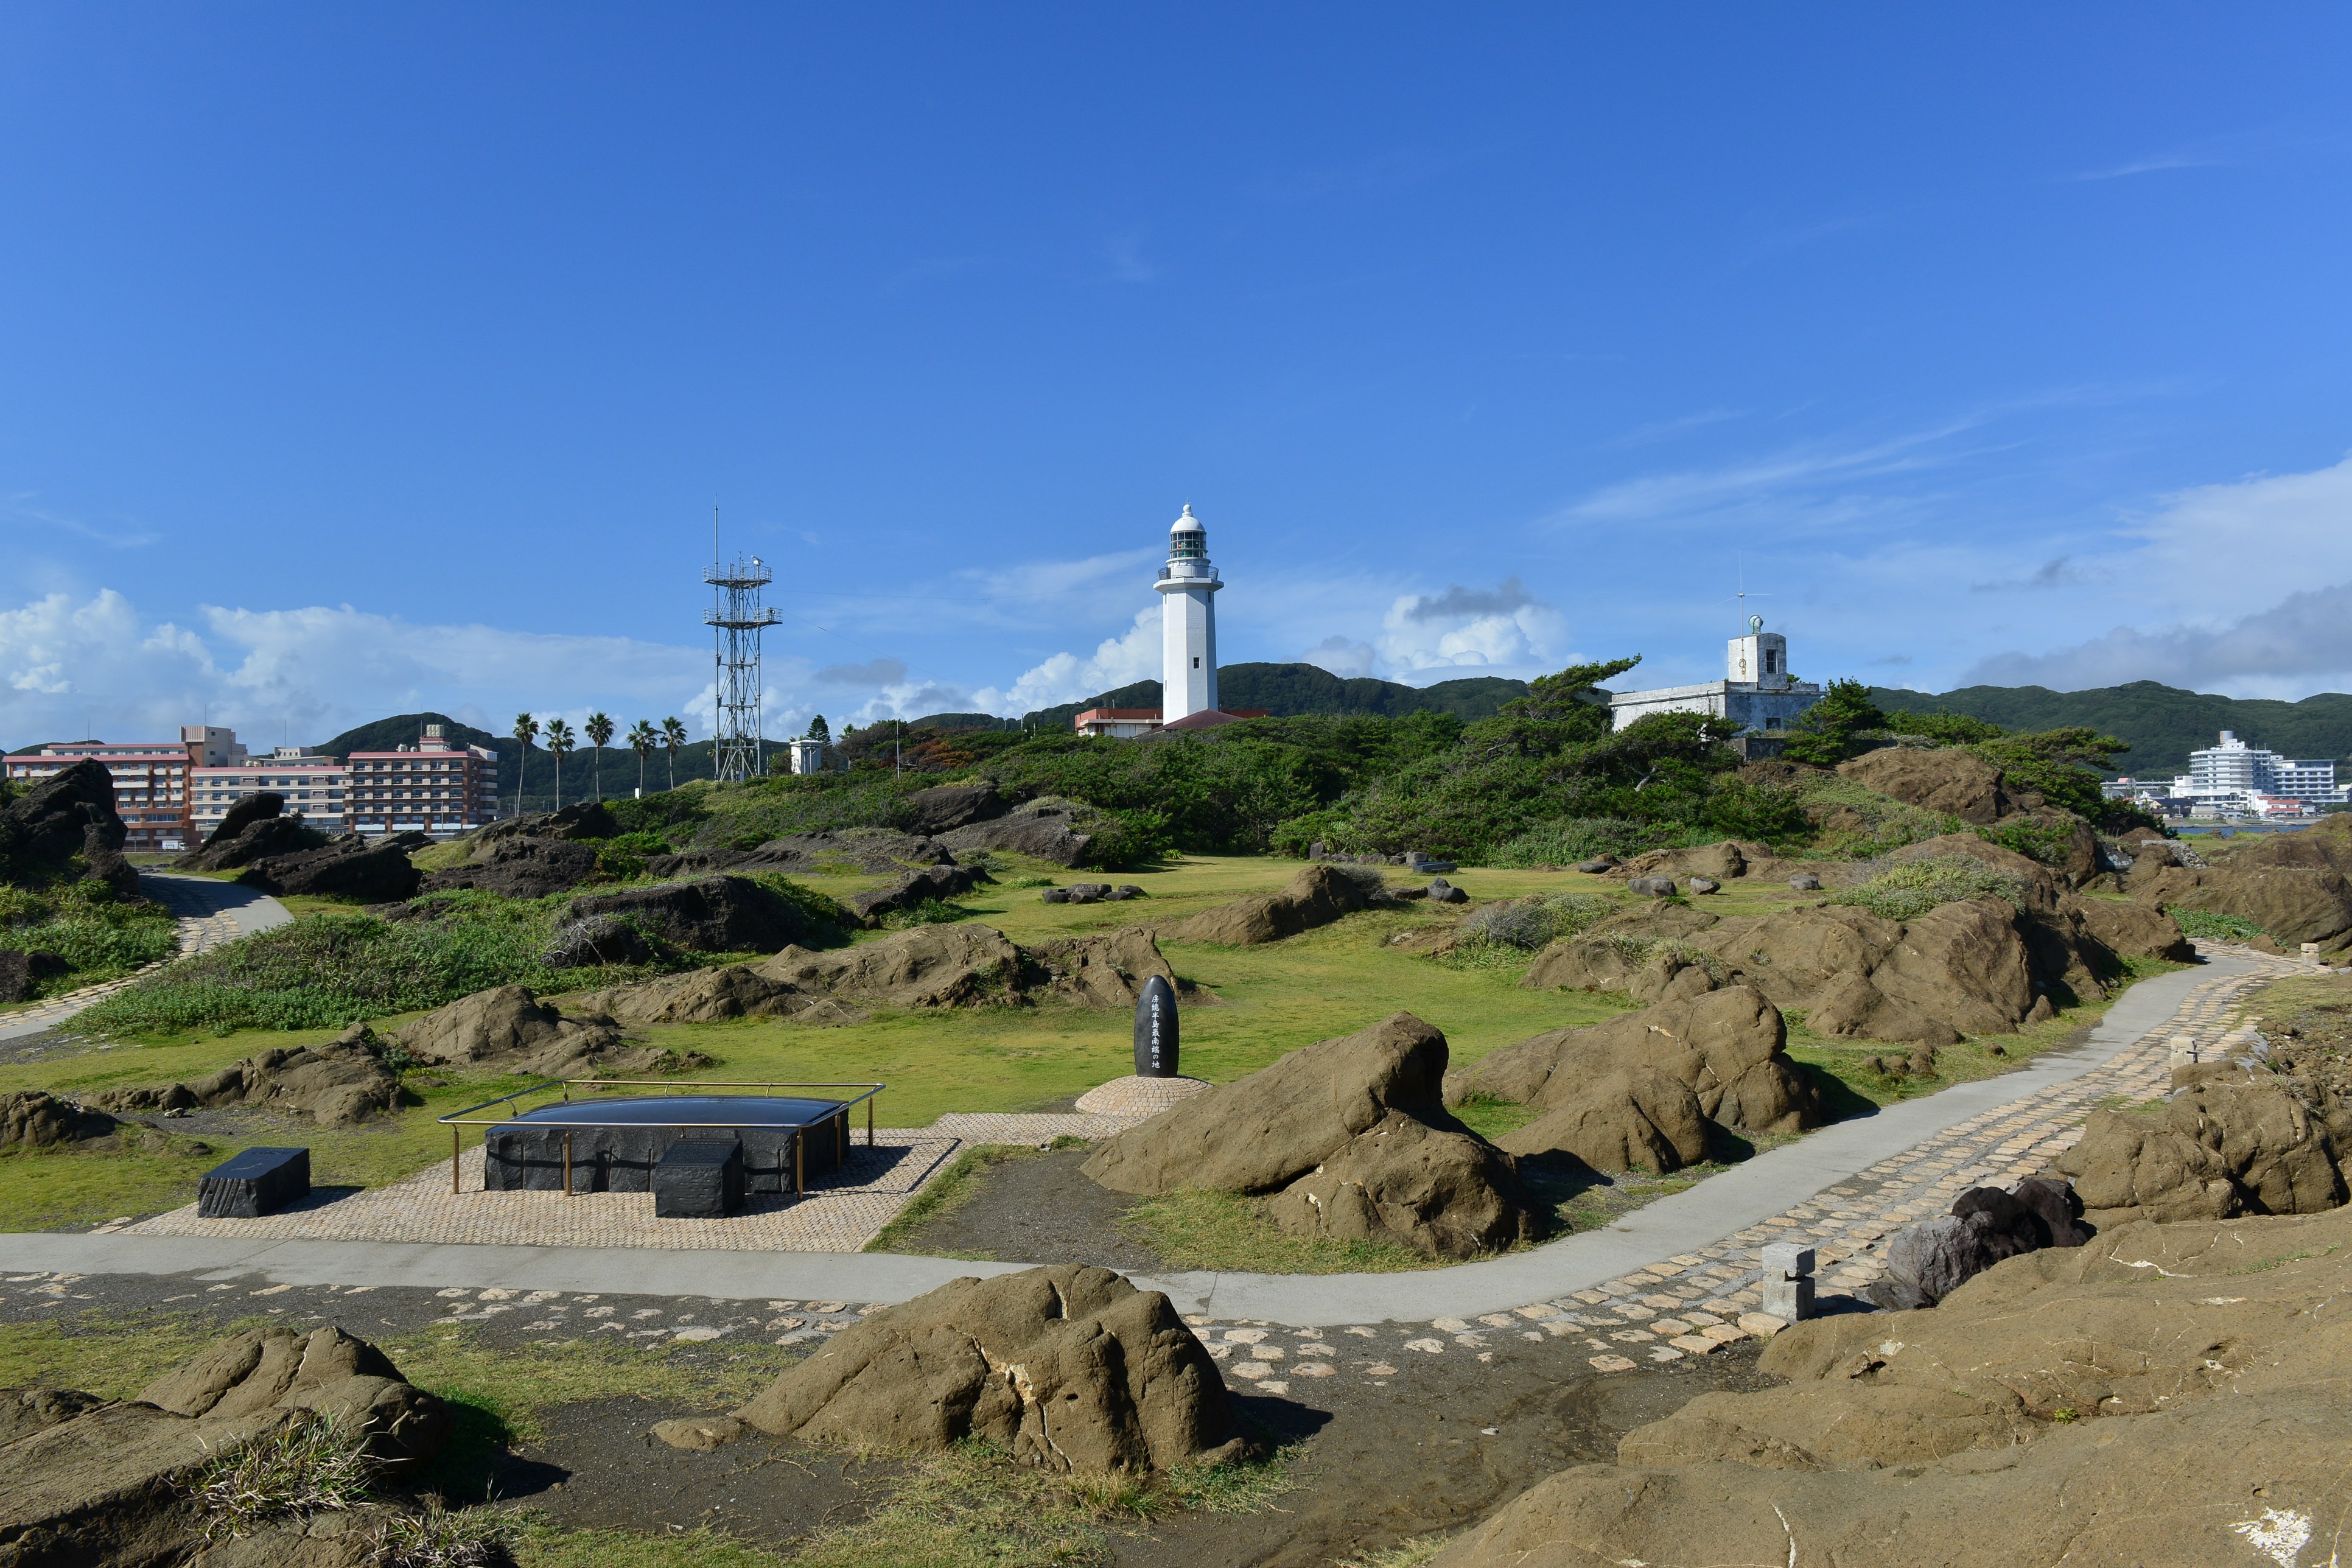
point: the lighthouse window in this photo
(1771, 661)
(1196, 661)
(1188, 547)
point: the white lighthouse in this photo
(1188, 636)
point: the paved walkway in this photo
(1669, 1279)
(209, 912)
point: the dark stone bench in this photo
(699, 1180)
(256, 1183)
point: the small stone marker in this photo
(1705, 885)
(2181, 1051)
(1788, 1282)
(1806, 883)
(256, 1183)
(1156, 1030)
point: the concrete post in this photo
(1788, 1282)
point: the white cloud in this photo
(67, 667)
(1348, 660)
(1132, 655)
(2275, 651)
(1505, 625)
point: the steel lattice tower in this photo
(740, 618)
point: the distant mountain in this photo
(1292, 691)
(2163, 723)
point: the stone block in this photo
(256, 1183)
(699, 1180)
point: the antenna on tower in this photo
(1756, 622)
(739, 617)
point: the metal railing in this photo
(459, 1120)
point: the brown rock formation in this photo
(1069, 1368)
(508, 1026)
(1957, 783)
(1448, 1194)
(336, 1084)
(35, 1119)
(1316, 896)
(1267, 1130)
(2235, 1143)
(1636, 1117)
(2168, 1394)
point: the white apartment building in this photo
(2235, 775)
(317, 789)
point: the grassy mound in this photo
(1905, 892)
(91, 934)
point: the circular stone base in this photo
(1139, 1097)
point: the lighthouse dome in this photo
(1187, 539)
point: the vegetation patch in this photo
(1232, 1232)
(311, 1465)
(2210, 925)
(81, 933)
(1906, 891)
(338, 968)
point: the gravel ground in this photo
(1041, 1209)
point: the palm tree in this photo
(559, 740)
(599, 730)
(526, 727)
(673, 736)
(642, 740)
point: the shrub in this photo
(2046, 839)
(2212, 925)
(1122, 840)
(617, 862)
(308, 1465)
(1859, 823)
(1950, 729)
(440, 1537)
(333, 970)
(1566, 842)
(1740, 809)
(1832, 728)
(1906, 891)
(93, 935)
(833, 921)
(1531, 924)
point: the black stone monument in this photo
(699, 1180)
(256, 1183)
(1155, 1030)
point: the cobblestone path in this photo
(208, 916)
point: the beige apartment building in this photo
(317, 789)
(436, 786)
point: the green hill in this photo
(1294, 691)
(2162, 724)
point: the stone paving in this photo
(205, 922)
(840, 1213)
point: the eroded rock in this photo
(348, 866)
(1317, 895)
(338, 1084)
(1444, 1191)
(1068, 1368)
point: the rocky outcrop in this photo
(1444, 1191)
(1354, 1129)
(1927, 1261)
(519, 866)
(348, 866)
(932, 884)
(1316, 896)
(1045, 829)
(1977, 967)
(1949, 779)
(336, 1085)
(946, 808)
(35, 1119)
(2170, 1394)
(2295, 885)
(2136, 931)
(1068, 1368)
(99, 1482)
(65, 826)
(1636, 1117)
(598, 940)
(2230, 1141)
(962, 965)
(1726, 1047)
(713, 914)
(871, 851)
(1267, 1130)
(1106, 969)
(588, 819)
(255, 827)
(508, 1027)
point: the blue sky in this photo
(368, 359)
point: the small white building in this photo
(810, 756)
(1756, 691)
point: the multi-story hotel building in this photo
(317, 789)
(151, 779)
(436, 786)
